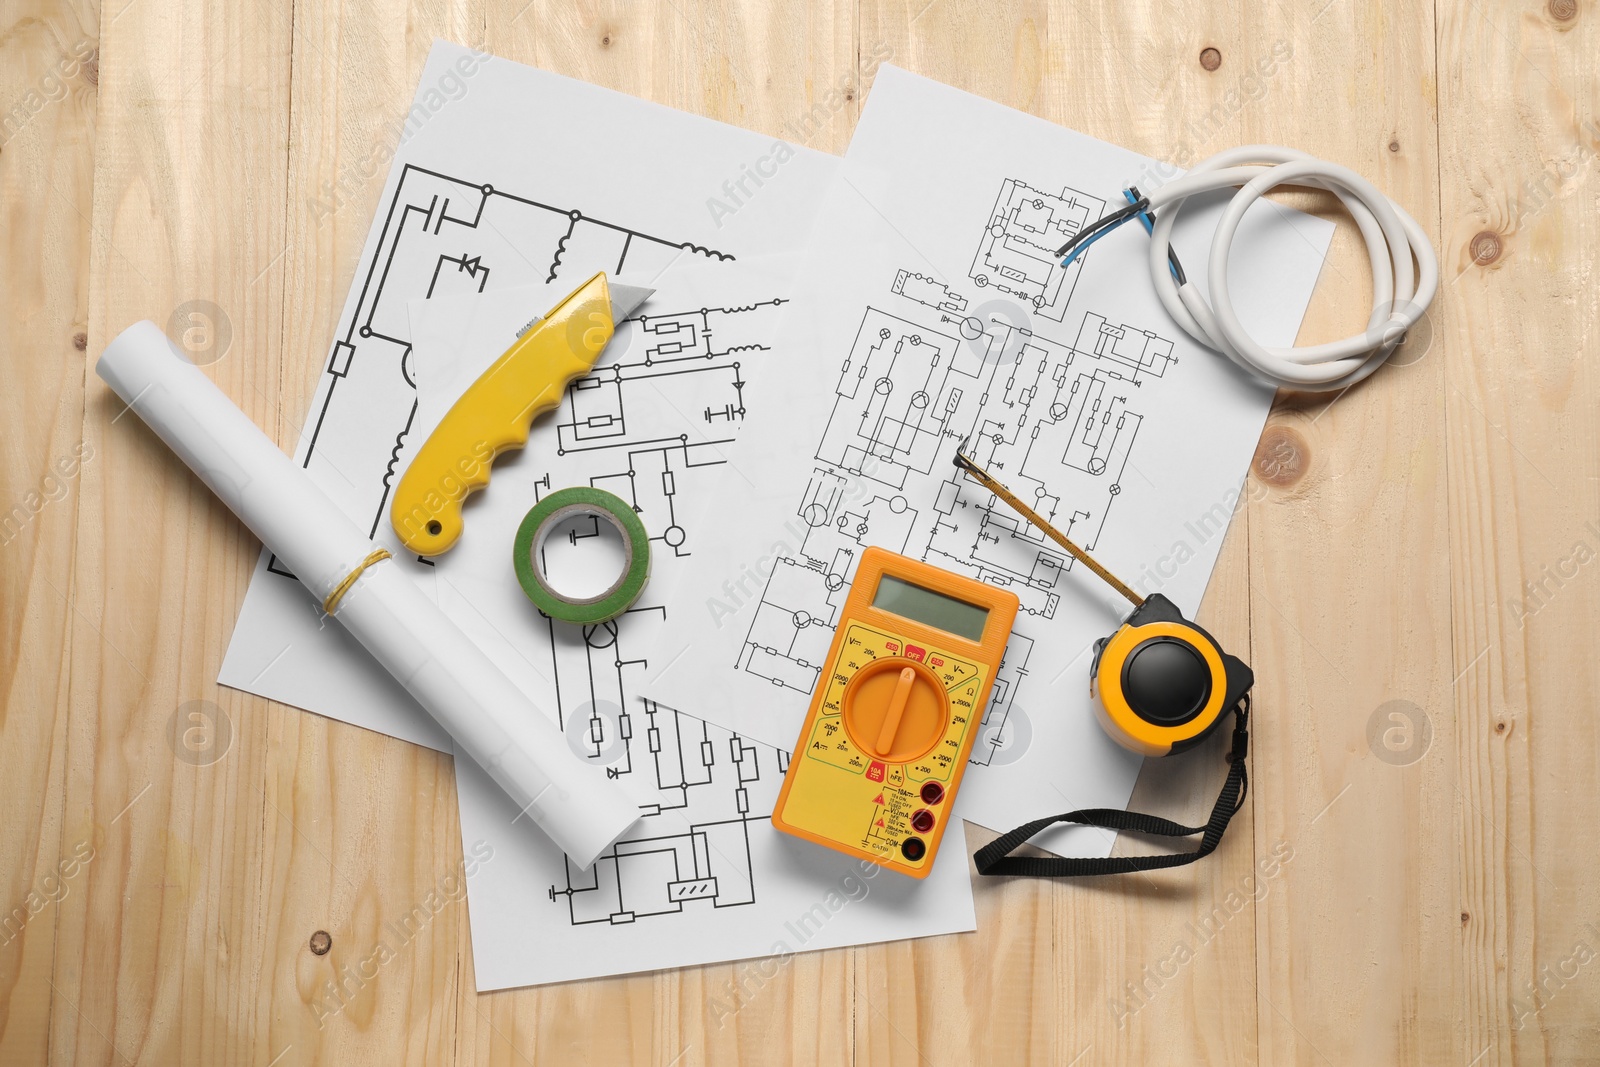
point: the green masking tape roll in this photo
(565, 504)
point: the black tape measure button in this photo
(1166, 681)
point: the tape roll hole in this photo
(581, 554)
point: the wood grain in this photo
(158, 958)
(1518, 143)
(1419, 553)
(1358, 956)
(47, 81)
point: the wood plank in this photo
(1518, 139)
(1358, 959)
(158, 956)
(48, 69)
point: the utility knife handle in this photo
(495, 414)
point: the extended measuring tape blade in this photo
(528, 551)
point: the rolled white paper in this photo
(491, 720)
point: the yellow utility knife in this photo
(496, 411)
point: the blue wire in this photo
(1144, 216)
(1149, 226)
(1078, 250)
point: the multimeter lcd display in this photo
(902, 598)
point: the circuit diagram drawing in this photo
(1017, 252)
(1047, 399)
(653, 426)
(442, 235)
(718, 777)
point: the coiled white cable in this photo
(1400, 294)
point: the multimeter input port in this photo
(932, 792)
(913, 848)
(922, 820)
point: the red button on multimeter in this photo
(895, 712)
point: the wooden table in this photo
(1413, 572)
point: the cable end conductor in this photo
(1085, 237)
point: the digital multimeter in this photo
(877, 765)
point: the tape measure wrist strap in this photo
(995, 858)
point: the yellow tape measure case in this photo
(898, 702)
(1161, 683)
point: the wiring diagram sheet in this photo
(703, 877)
(502, 176)
(932, 310)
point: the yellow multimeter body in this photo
(875, 770)
(1161, 683)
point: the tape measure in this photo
(527, 555)
(875, 771)
(1161, 684)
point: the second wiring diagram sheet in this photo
(933, 311)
